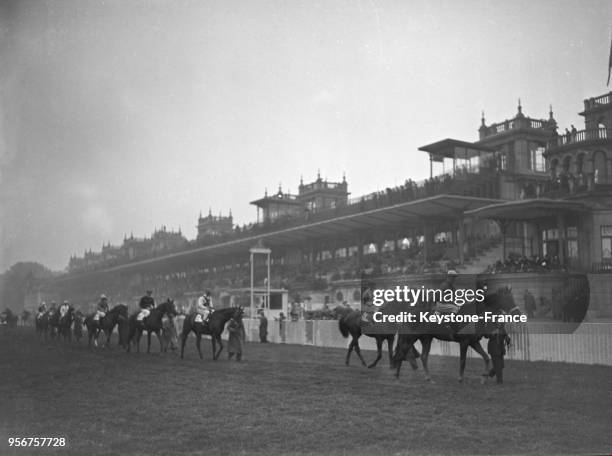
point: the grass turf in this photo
(286, 399)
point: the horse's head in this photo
(505, 301)
(238, 313)
(169, 308)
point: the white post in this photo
(252, 297)
(268, 288)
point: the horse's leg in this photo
(358, 351)
(149, 341)
(390, 349)
(138, 336)
(350, 350)
(478, 348)
(463, 346)
(199, 343)
(399, 356)
(220, 346)
(379, 342)
(183, 341)
(108, 338)
(426, 344)
(130, 337)
(161, 347)
(214, 346)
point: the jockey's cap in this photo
(103, 296)
(149, 291)
(452, 272)
(65, 302)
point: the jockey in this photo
(146, 304)
(204, 306)
(53, 307)
(102, 308)
(41, 309)
(445, 307)
(64, 308)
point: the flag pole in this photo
(610, 59)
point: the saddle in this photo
(199, 319)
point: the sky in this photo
(118, 117)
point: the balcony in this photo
(582, 137)
(322, 185)
(598, 102)
(518, 123)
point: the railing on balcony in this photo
(602, 267)
(582, 136)
(318, 185)
(514, 124)
(602, 100)
(567, 184)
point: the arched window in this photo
(580, 164)
(566, 164)
(599, 166)
(602, 129)
(553, 168)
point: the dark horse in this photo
(78, 325)
(214, 327)
(152, 323)
(351, 324)
(42, 324)
(502, 301)
(9, 318)
(54, 319)
(64, 325)
(25, 316)
(106, 324)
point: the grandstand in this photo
(522, 199)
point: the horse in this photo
(9, 318)
(351, 324)
(42, 324)
(168, 334)
(106, 324)
(54, 318)
(64, 325)
(214, 327)
(502, 300)
(151, 323)
(25, 316)
(77, 329)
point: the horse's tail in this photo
(343, 327)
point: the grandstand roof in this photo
(454, 148)
(529, 209)
(412, 213)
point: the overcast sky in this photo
(122, 116)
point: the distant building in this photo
(311, 198)
(211, 226)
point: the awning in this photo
(454, 148)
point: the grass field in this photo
(285, 399)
